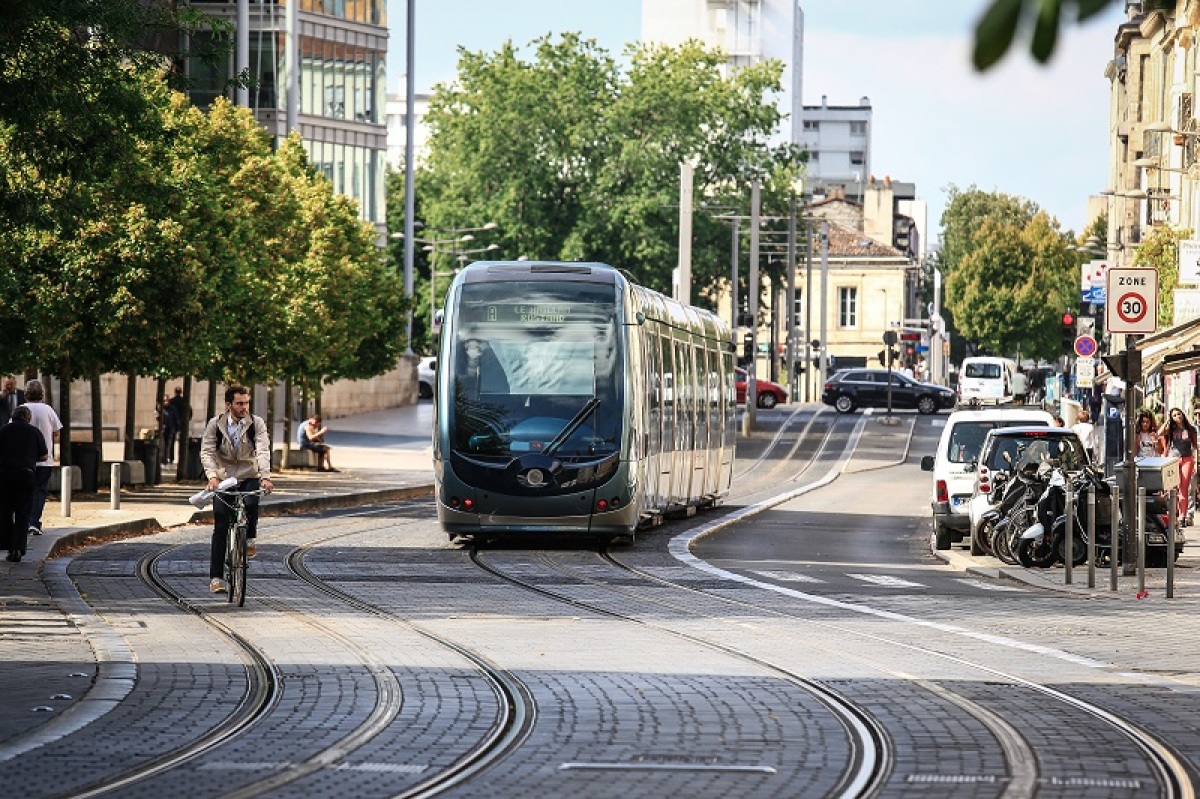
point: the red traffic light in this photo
(1068, 318)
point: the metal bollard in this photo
(65, 491)
(1141, 539)
(1069, 542)
(1171, 528)
(1114, 549)
(114, 487)
(1091, 534)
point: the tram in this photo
(571, 400)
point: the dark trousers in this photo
(41, 487)
(16, 494)
(168, 453)
(223, 520)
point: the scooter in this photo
(1036, 547)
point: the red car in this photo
(769, 394)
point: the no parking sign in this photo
(1132, 301)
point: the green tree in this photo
(578, 159)
(1160, 251)
(1008, 272)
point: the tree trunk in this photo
(317, 400)
(270, 416)
(160, 394)
(64, 412)
(130, 415)
(287, 424)
(97, 414)
(185, 431)
(211, 409)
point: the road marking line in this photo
(787, 577)
(886, 581)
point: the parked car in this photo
(868, 388)
(1005, 449)
(769, 394)
(953, 464)
(426, 376)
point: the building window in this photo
(857, 157)
(848, 306)
(858, 127)
(812, 124)
(798, 310)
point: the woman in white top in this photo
(1148, 443)
(1086, 432)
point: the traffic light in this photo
(748, 347)
(882, 357)
(816, 351)
(1068, 332)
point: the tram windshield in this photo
(535, 368)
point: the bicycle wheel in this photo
(237, 585)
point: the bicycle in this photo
(236, 562)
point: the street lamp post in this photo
(456, 236)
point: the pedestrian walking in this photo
(1179, 440)
(10, 398)
(170, 429)
(1148, 443)
(45, 420)
(1086, 431)
(1020, 386)
(21, 447)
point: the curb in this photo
(89, 536)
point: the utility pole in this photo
(808, 269)
(733, 322)
(790, 314)
(748, 419)
(686, 174)
(824, 303)
(410, 201)
(241, 64)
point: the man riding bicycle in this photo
(235, 444)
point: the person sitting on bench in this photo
(311, 436)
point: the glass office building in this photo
(342, 45)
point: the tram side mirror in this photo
(439, 316)
(640, 317)
(927, 463)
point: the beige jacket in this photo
(220, 461)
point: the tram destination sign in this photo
(1132, 301)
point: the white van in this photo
(955, 462)
(986, 380)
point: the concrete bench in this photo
(297, 459)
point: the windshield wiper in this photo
(587, 410)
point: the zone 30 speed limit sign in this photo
(1132, 305)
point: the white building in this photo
(396, 114)
(747, 30)
(838, 139)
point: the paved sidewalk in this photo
(47, 634)
(1186, 578)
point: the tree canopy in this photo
(578, 158)
(1009, 274)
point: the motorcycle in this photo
(1015, 511)
(1037, 546)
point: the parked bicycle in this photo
(236, 559)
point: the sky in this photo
(1024, 129)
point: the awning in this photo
(1174, 350)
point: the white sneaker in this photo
(34, 530)
(216, 585)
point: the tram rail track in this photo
(1172, 773)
